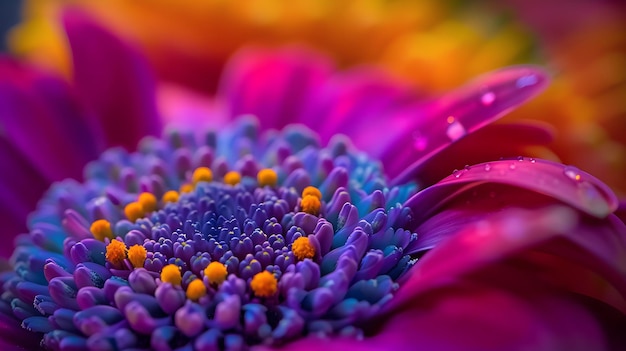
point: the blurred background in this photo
(9, 16)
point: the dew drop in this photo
(456, 173)
(419, 141)
(488, 98)
(512, 166)
(526, 81)
(455, 130)
(572, 173)
(532, 160)
(487, 167)
(520, 158)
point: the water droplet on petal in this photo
(487, 167)
(455, 129)
(526, 81)
(532, 160)
(419, 141)
(520, 158)
(512, 166)
(488, 98)
(456, 173)
(572, 173)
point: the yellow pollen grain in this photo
(201, 174)
(267, 177)
(311, 204)
(311, 190)
(137, 255)
(302, 248)
(232, 178)
(133, 211)
(264, 284)
(101, 229)
(195, 290)
(215, 272)
(170, 196)
(148, 202)
(186, 188)
(171, 274)
(115, 252)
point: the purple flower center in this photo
(216, 242)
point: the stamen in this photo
(202, 174)
(148, 202)
(311, 190)
(170, 196)
(101, 229)
(264, 284)
(267, 177)
(137, 255)
(232, 178)
(133, 211)
(196, 290)
(302, 248)
(215, 273)
(186, 188)
(116, 252)
(311, 204)
(171, 274)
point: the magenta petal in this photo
(565, 183)
(114, 80)
(513, 139)
(350, 103)
(431, 128)
(272, 85)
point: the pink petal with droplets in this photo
(452, 116)
(565, 183)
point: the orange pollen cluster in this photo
(195, 290)
(302, 248)
(201, 174)
(115, 252)
(171, 274)
(311, 204)
(264, 284)
(215, 272)
(232, 178)
(148, 202)
(133, 211)
(137, 255)
(311, 190)
(267, 177)
(101, 229)
(170, 196)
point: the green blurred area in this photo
(9, 16)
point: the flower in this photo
(434, 45)
(501, 255)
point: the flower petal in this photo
(114, 80)
(565, 183)
(272, 85)
(513, 139)
(451, 117)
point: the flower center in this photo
(225, 243)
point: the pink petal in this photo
(272, 85)
(565, 183)
(352, 102)
(513, 139)
(453, 116)
(114, 80)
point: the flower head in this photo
(261, 234)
